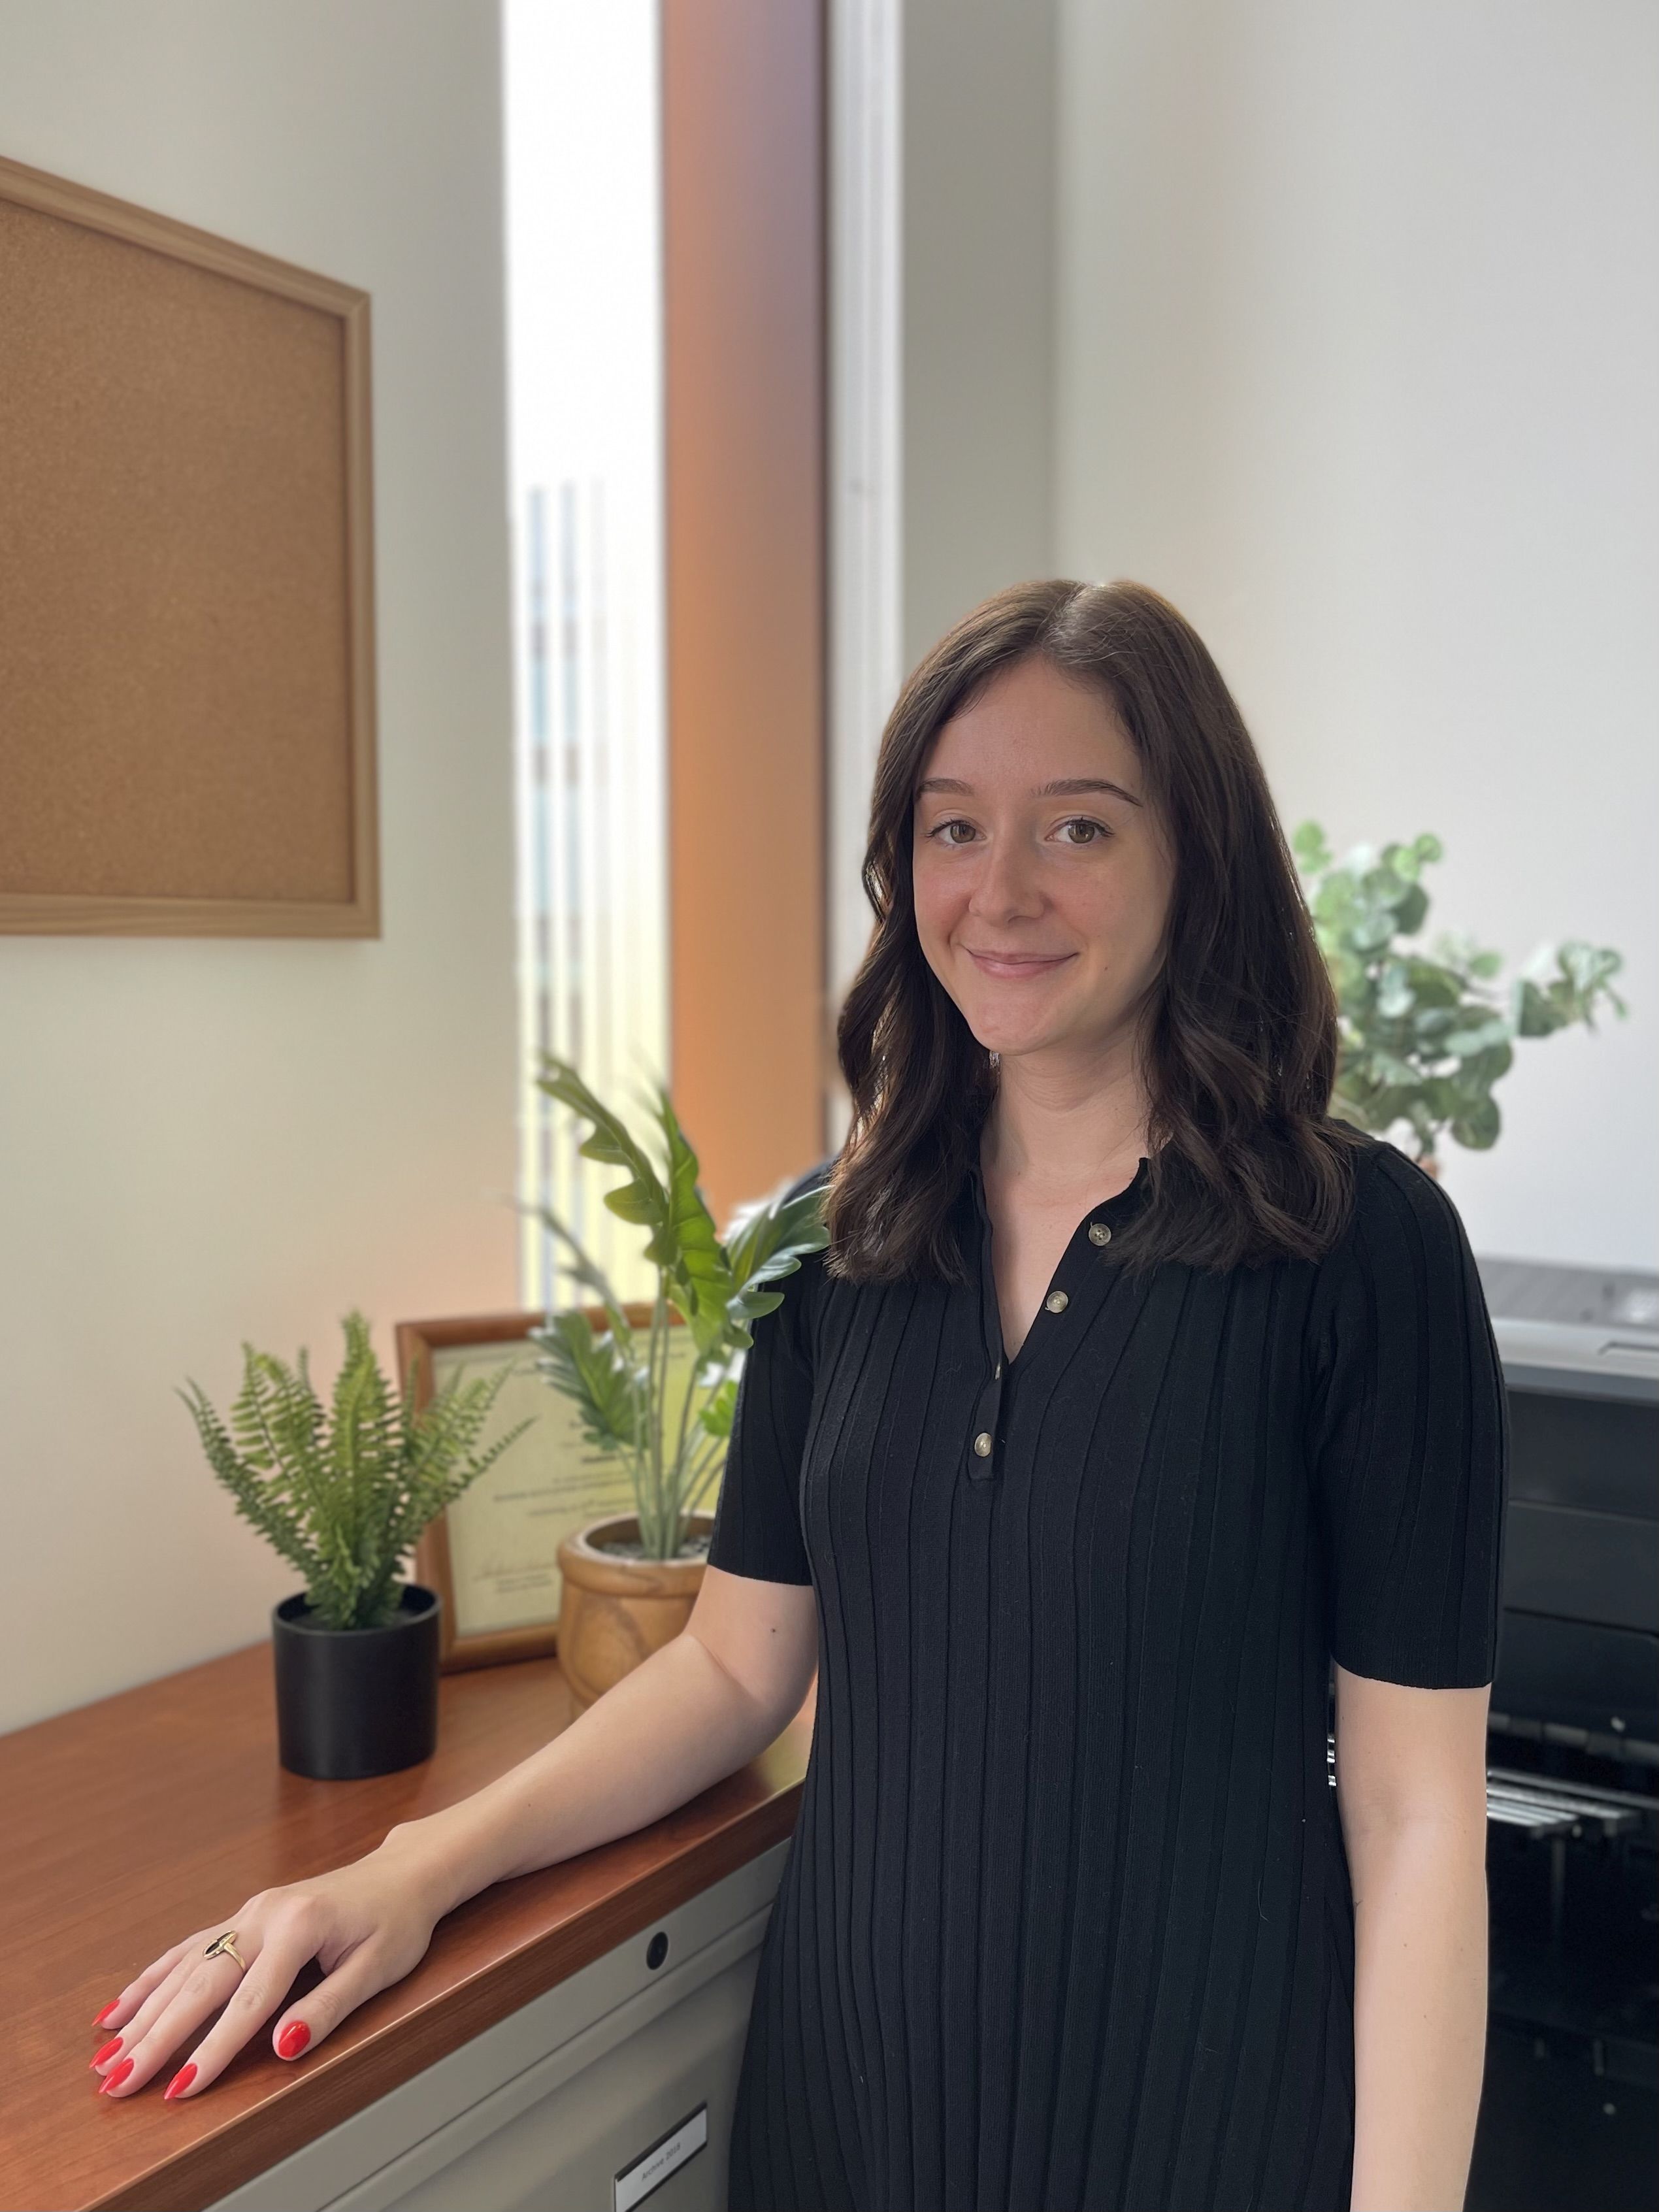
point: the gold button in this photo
(983, 1443)
(1056, 1302)
(1099, 1233)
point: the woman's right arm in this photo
(695, 1711)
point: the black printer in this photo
(1569, 2112)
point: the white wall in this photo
(1355, 340)
(977, 305)
(203, 1141)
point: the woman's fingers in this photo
(290, 1940)
(116, 2056)
(358, 1976)
(116, 2016)
(172, 2013)
(373, 1966)
(132, 2012)
(364, 1924)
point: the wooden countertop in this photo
(127, 1823)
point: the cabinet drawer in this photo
(562, 2153)
(540, 2112)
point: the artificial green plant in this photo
(1425, 1034)
(617, 1376)
(343, 1493)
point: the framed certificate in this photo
(493, 1555)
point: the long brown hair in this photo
(1240, 1037)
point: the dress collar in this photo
(1112, 1211)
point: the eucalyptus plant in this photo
(1425, 1034)
(342, 1492)
(617, 1376)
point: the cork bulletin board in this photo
(186, 580)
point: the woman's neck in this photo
(1057, 1133)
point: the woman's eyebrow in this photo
(1065, 787)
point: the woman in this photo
(1131, 1392)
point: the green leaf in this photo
(608, 1388)
(1486, 1067)
(1433, 985)
(1588, 966)
(1533, 1014)
(765, 1241)
(1385, 886)
(699, 1275)
(344, 1491)
(1309, 846)
(715, 1287)
(1478, 1129)
(1373, 931)
(1478, 1038)
(1390, 1069)
(641, 1199)
(1395, 996)
(716, 1416)
(1412, 911)
(1424, 1036)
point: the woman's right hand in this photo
(693, 1711)
(367, 1924)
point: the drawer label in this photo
(665, 2156)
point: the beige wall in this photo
(1358, 348)
(977, 251)
(202, 1142)
(1340, 326)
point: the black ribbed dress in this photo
(1065, 1921)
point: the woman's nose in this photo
(1005, 884)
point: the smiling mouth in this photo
(1016, 964)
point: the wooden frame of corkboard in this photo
(417, 1341)
(186, 580)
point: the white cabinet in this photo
(626, 2070)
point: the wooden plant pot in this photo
(615, 1612)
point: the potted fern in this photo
(630, 1581)
(1424, 1032)
(343, 1493)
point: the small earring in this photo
(996, 1060)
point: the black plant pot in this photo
(352, 1702)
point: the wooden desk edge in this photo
(348, 2074)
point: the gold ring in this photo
(226, 1942)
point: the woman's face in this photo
(1042, 880)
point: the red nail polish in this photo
(114, 2080)
(99, 2018)
(108, 2051)
(292, 2039)
(181, 2081)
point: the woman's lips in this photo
(990, 963)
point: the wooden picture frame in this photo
(187, 659)
(566, 1482)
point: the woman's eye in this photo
(1093, 831)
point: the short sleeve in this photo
(758, 1527)
(1409, 1438)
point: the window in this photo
(586, 472)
